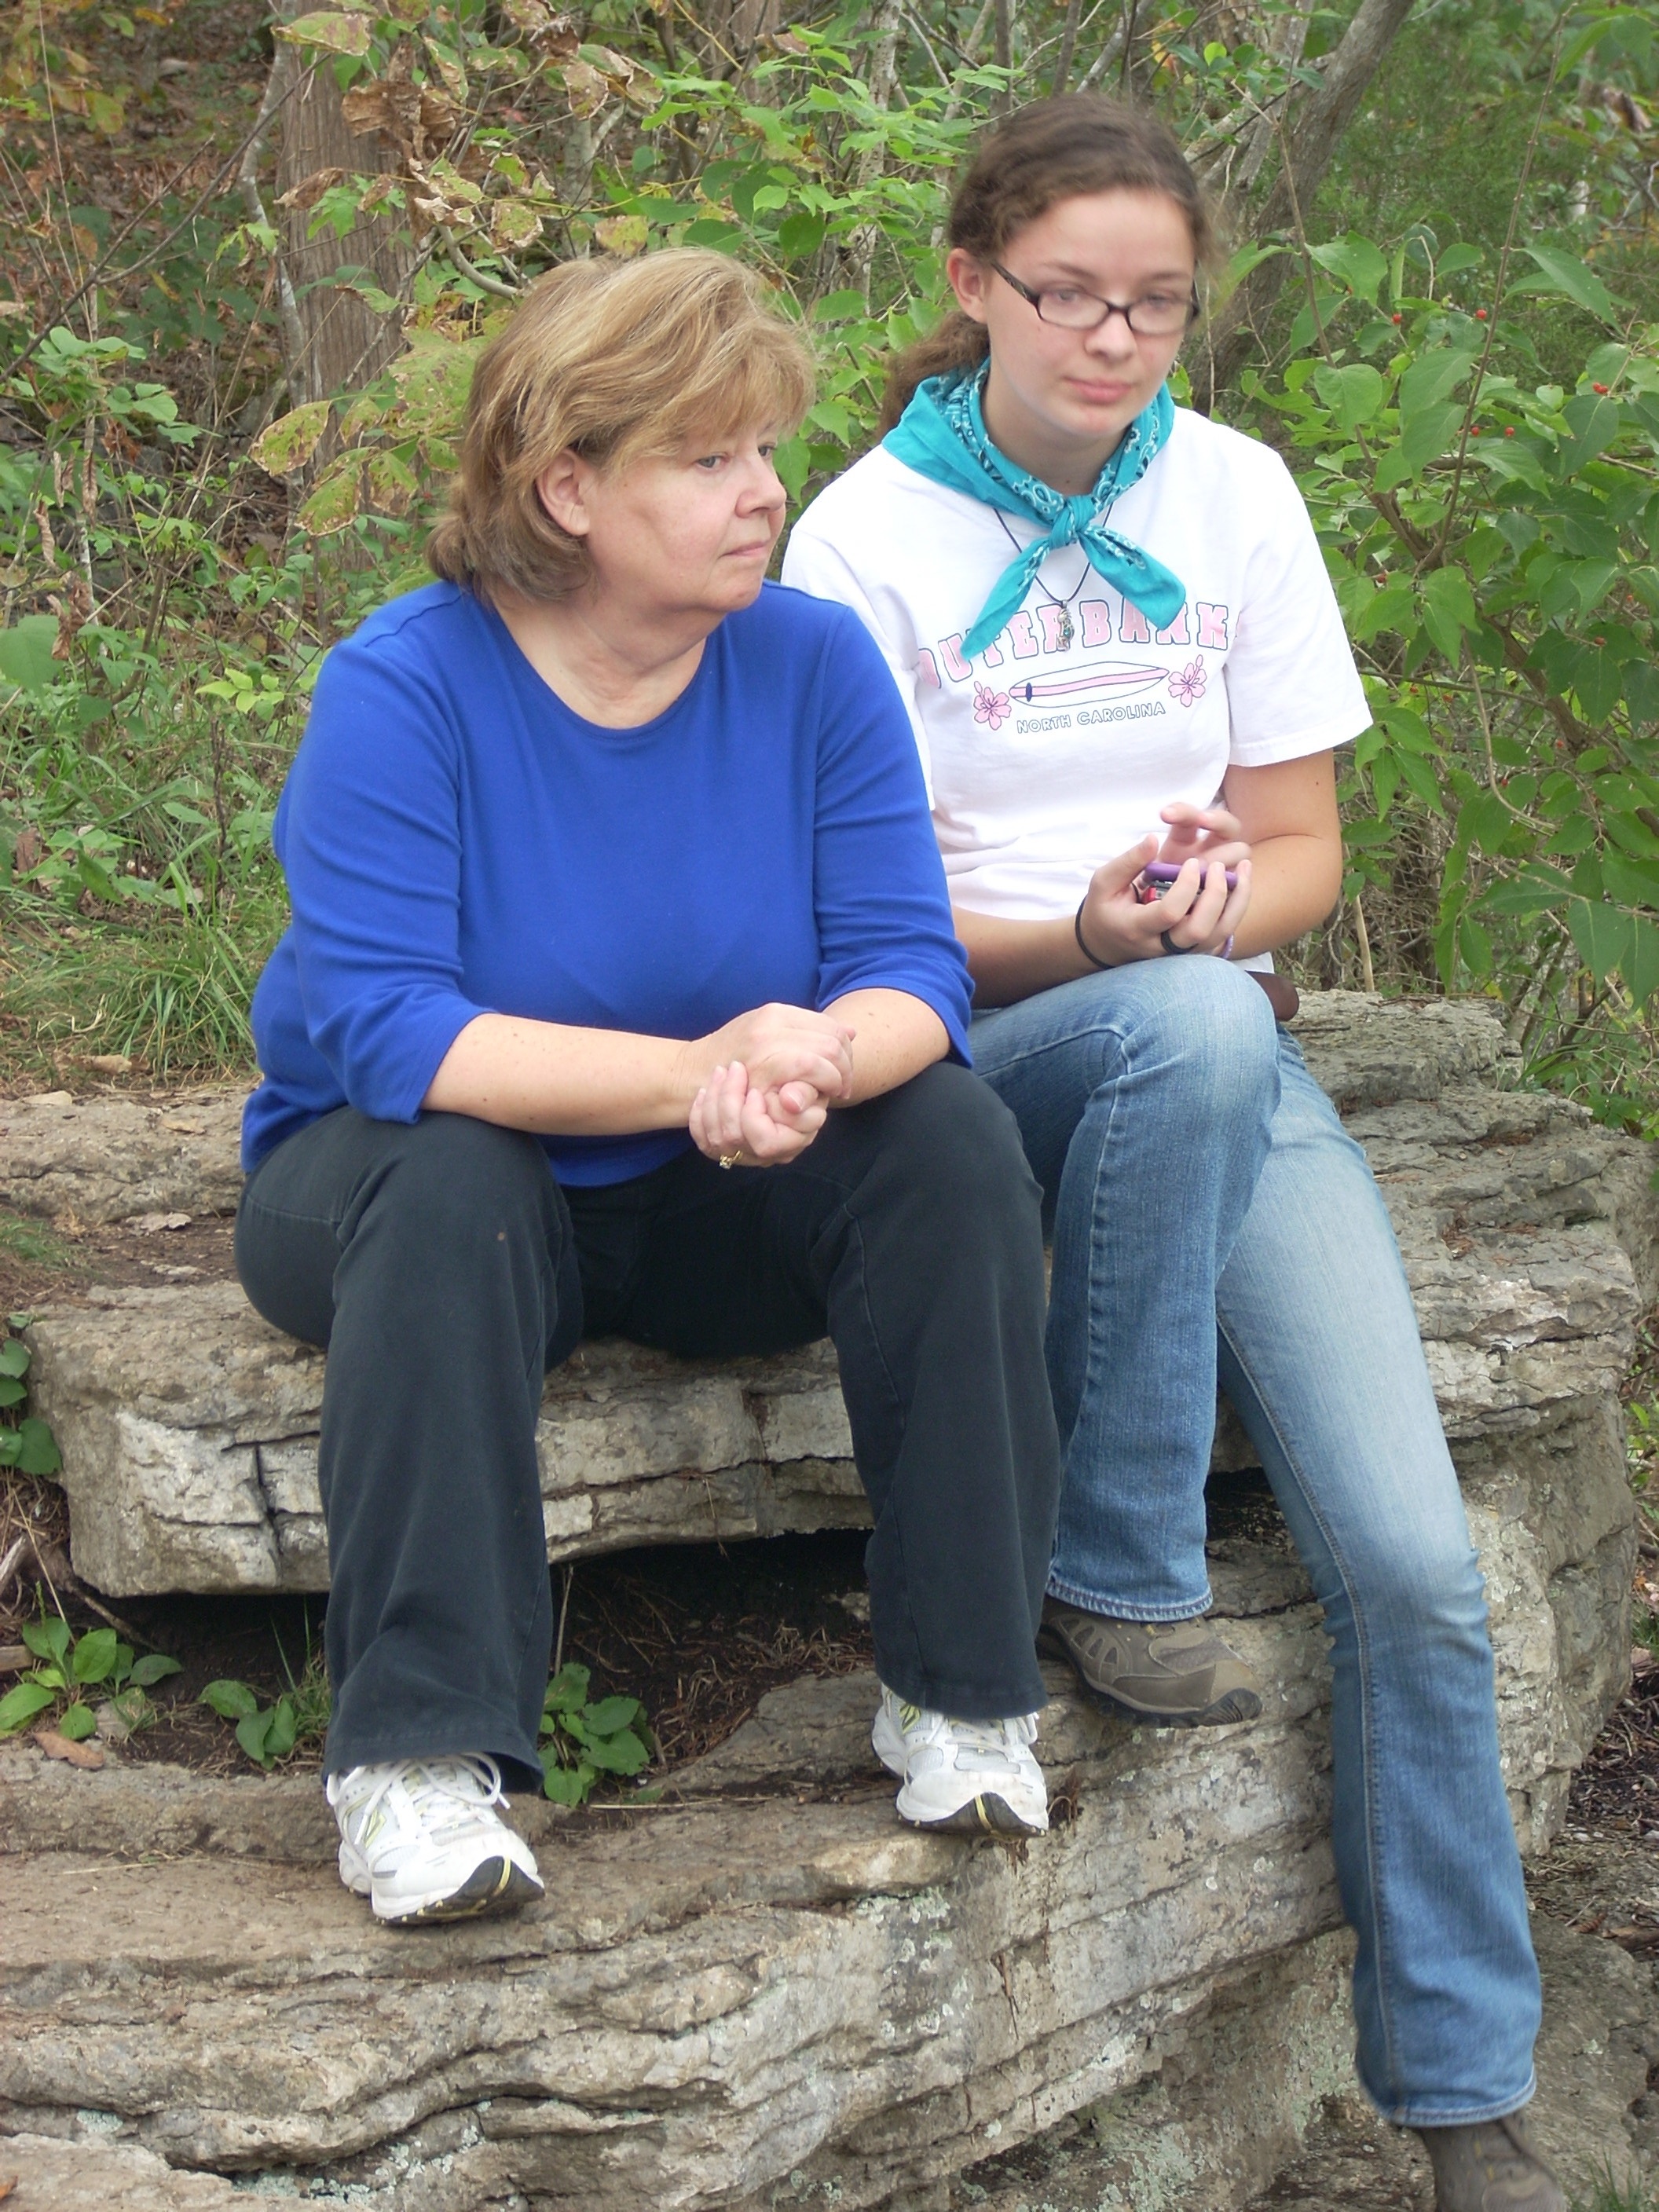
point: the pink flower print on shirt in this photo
(992, 706)
(1187, 683)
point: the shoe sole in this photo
(1237, 1705)
(987, 1814)
(495, 1885)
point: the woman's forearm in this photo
(896, 1036)
(1296, 880)
(1013, 960)
(558, 1080)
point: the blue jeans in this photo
(1212, 1221)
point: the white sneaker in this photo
(972, 1775)
(420, 1839)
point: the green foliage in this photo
(585, 1742)
(1608, 2193)
(1493, 540)
(26, 1442)
(297, 1719)
(70, 1666)
(179, 544)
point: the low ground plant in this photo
(71, 1670)
(584, 1742)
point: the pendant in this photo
(1067, 633)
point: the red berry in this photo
(1509, 432)
(1599, 387)
(1395, 318)
(1475, 432)
(1479, 314)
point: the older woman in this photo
(622, 996)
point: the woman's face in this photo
(1058, 400)
(688, 534)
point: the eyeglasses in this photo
(1159, 315)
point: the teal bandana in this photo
(942, 436)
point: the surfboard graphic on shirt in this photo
(1089, 693)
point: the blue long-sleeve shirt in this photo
(457, 841)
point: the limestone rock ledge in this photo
(189, 1428)
(764, 1993)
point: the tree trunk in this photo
(1307, 142)
(345, 343)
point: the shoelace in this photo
(1003, 1739)
(471, 1781)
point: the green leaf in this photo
(567, 1691)
(77, 1723)
(12, 1392)
(231, 1701)
(1353, 394)
(793, 460)
(1601, 934)
(841, 308)
(1564, 274)
(611, 1714)
(1640, 966)
(619, 1755)
(1432, 376)
(799, 235)
(1355, 261)
(20, 1705)
(250, 1733)
(47, 1639)
(566, 1785)
(154, 1668)
(14, 1358)
(37, 1452)
(1473, 946)
(93, 1659)
(1449, 608)
(25, 661)
(1593, 419)
(1425, 435)
(282, 1727)
(1392, 608)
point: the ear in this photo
(561, 488)
(968, 280)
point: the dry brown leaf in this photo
(6, 2187)
(89, 1755)
(588, 90)
(305, 195)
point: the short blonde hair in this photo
(621, 362)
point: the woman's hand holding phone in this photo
(1200, 909)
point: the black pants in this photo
(446, 1270)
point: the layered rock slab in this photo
(189, 1428)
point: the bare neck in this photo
(611, 663)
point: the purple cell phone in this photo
(1165, 872)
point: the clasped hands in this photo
(770, 1079)
(1197, 911)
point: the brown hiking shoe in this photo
(1171, 1674)
(1491, 2167)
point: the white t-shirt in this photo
(1044, 759)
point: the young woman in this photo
(1112, 624)
(611, 873)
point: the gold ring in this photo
(731, 1159)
